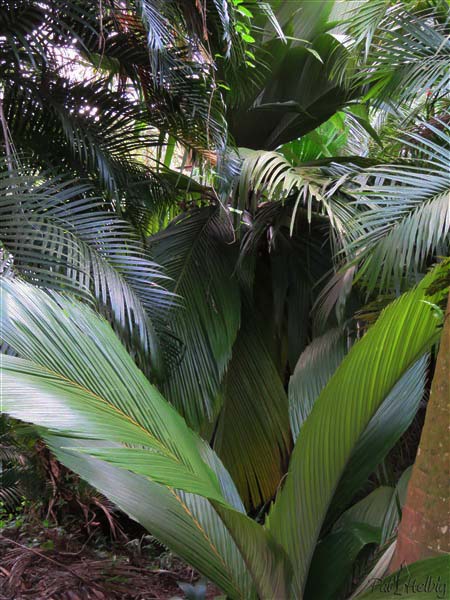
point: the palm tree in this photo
(115, 417)
(239, 298)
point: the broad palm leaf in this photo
(251, 435)
(314, 369)
(197, 254)
(185, 523)
(370, 521)
(342, 412)
(295, 90)
(97, 407)
(161, 447)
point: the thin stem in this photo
(5, 131)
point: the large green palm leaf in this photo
(294, 89)
(82, 384)
(79, 380)
(197, 254)
(402, 334)
(315, 367)
(80, 366)
(185, 523)
(252, 432)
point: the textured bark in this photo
(424, 529)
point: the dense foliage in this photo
(223, 234)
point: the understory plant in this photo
(220, 306)
(103, 418)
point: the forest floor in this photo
(49, 564)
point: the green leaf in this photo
(314, 368)
(406, 51)
(334, 558)
(63, 237)
(195, 251)
(428, 579)
(244, 11)
(252, 433)
(403, 333)
(299, 91)
(185, 523)
(81, 381)
(405, 219)
(266, 560)
(248, 38)
(372, 520)
(390, 421)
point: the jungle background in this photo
(224, 241)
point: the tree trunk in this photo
(424, 529)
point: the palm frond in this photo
(315, 368)
(62, 237)
(196, 252)
(103, 397)
(406, 211)
(299, 93)
(316, 365)
(185, 523)
(268, 175)
(389, 423)
(252, 432)
(407, 329)
(406, 53)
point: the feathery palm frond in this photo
(88, 130)
(405, 210)
(62, 237)
(101, 127)
(406, 51)
(268, 175)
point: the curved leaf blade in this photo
(185, 523)
(252, 433)
(81, 373)
(402, 334)
(195, 251)
(432, 575)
